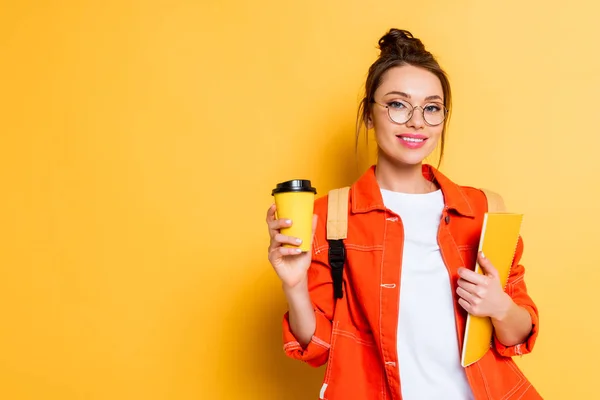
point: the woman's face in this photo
(410, 142)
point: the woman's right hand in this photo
(289, 263)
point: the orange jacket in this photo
(356, 336)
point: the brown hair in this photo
(398, 47)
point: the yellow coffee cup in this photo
(295, 200)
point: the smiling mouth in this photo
(411, 139)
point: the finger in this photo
(281, 239)
(471, 288)
(473, 277)
(271, 218)
(277, 254)
(487, 265)
(277, 239)
(468, 297)
(271, 213)
(465, 304)
(277, 224)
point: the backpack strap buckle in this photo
(337, 259)
(337, 231)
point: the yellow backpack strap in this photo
(337, 231)
(494, 201)
(337, 214)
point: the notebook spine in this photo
(512, 263)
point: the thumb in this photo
(487, 266)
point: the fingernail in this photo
(298, 250)
(288, 221)
(482, 255)
(298, 241)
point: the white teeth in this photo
(408, 139)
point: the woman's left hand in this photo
(482, 295)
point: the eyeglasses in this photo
(400, 112)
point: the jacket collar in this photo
(366, 193)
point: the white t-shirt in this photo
(428, 354)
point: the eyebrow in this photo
(428, 98)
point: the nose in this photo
(416, 119)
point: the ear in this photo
(369, 122)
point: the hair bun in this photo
(400, 42)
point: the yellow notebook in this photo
(498, 241)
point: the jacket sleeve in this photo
(517, 290)
(320, 287)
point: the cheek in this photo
(435, 134)
(381, 124)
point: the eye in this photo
(397, 105)
(433, 108)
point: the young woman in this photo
(412, 238)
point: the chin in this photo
(407, 158)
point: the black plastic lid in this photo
(295, 185)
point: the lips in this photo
(412, 141)
(412, 136)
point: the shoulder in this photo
(484, 199)
(473, 194)
(467, 199)
(321, 204)
(342, 195)
(335, 201)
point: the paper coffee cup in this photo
(294, 200)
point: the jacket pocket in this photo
(354, 369)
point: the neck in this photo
(402, 178)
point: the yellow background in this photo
(139, 142)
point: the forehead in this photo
(414, 81)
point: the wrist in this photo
(504, 309)
(298, 289)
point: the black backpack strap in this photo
(337, 231)
(337, 258)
